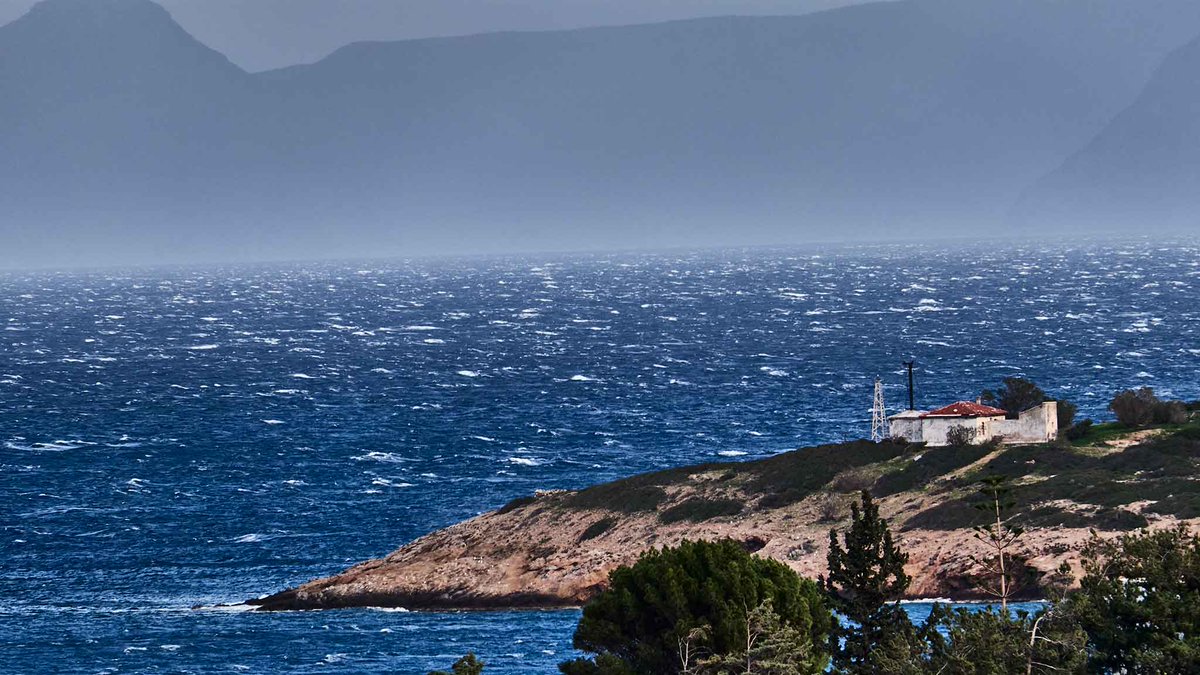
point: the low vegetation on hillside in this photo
(1112, 476)
(712, 608)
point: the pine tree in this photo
(1000, 535)
(1139, 602)
(772, 647)
(647, 620)
(866, 579)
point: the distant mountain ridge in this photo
(1142, 169)
(122, 139)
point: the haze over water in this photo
(181, 437)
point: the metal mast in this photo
(879, 425)
(911, 403)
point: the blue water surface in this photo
(180, 437)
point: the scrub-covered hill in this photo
(557, 548)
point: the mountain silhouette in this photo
(1141, 171)
(122, 139)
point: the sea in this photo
(177, 439)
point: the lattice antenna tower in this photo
(879, 427)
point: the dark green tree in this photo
(991, 642)
(1066, 414)
(1016, 394)
(651, 608)
(771, 647)
(467, 665)
(1139, 603)
(1135, 407)
(866, 579)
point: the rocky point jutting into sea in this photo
(557, 548)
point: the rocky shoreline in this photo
(556, 549)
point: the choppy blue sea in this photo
(196, 436)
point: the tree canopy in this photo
(702, 591)
(866, 579)
(1139, 602)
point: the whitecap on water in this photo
(383, 482)
(731, 453)
(523, 461)
(467, 373)
(203, 348)
(582, 378)
(252, 538)
(380, 457)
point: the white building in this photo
(1038, 424)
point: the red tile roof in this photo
(966, 409)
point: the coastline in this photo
(556, 549)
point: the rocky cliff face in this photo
(557, 549)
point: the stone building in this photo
(1038, 424)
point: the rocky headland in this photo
(556, 548)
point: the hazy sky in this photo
(264, 34)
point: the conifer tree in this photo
(1139, 602)
(1000, 535)
(772, 647)
(675, 602)
(866, 579)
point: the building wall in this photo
(934, 430)
(908, 428)
(1036, 425)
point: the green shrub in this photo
(517, 503)
(1066, 414)
(1135, 408)
(1079, 431)
(789, 478)
(1104, 518)
(1170, 412)
(923, 468)
(699, 509)
(598, 528)
(1139, 602)
(638, 623)
(1181, 505)
(623, 496)
(960, 436)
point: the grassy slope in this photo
(1100, 481)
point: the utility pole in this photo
(879, 427)
(911, 401)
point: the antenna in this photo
(909, 365)
(879, 425)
